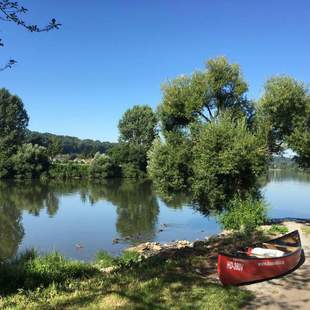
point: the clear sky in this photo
(111, 55)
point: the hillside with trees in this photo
(59, 144)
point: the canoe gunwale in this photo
(247, 257)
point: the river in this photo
(79, 218)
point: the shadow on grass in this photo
(162, 283)
(184, 277)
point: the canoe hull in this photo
(240, 270)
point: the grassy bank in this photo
(52, 282)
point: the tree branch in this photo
(8, 65)
(205, 117)
(209, 110)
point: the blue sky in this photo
(111, 55)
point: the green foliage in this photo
(138, 129)
(29, 270)
(208, 147)
(5, 165)
(57, 144)
(138, 126)
(129, 257)
(13, 123)
(104, 259)
(70, 170)
(131, 158)
(299, 140)
(244, 215)
(103, 167)
(228, 159)
(54, 147)
(30, 161)
(204, 95)
(169, 163)
(148, 284)
(278, 229)
(282, 107)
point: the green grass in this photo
(29, 271)
(277, 229)
(52, 282)
(104, 259)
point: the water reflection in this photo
(135, 204)
(278, 175)
(11, 229)
(59, 215)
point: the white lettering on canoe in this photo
(234, 266)
(271, 263)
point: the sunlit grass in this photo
(154, 283)
(277, 229)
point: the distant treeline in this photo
(67, 144)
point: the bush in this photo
(104, 259)
(244, 215)
(30, 161)
(69, 170)
(131, 158)
(278, 229)
(103, 167)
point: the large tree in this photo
(203, 95)
(169, 163)
(13, 11)
(283, 108)
(13, 123)
(138, 126)
(299, 139)
(138, 129)
(227, 160)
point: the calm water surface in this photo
(78, 219)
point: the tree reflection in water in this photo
(11, 229)
(136, 206)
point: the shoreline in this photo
(170, 273)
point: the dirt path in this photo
(291, 291)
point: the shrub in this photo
(278, 229)
(104, 259)
(30, 161)
(103, 167)
(244, 215)
(69, 170)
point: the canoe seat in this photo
(265, 252)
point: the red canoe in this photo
(244, 266)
